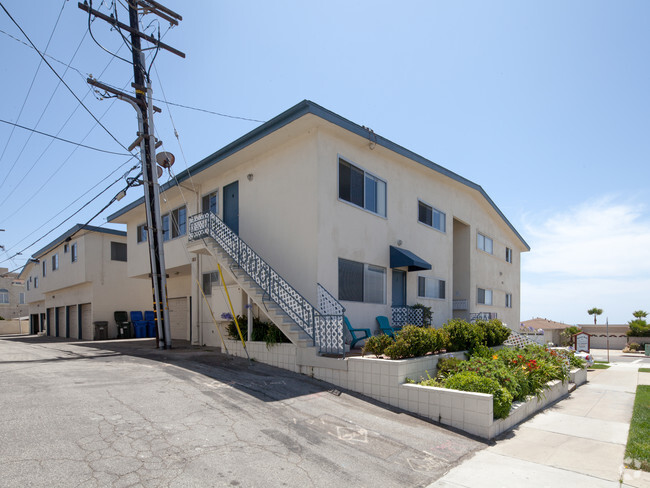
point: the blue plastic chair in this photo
(139, 324)
(353, 332)
(385, 327)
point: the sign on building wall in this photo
(581, 342)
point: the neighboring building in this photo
(80, 278)
(552, 330)
(12, 295)
(617, 335)
(327, 202)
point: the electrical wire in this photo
(62, 81)
(68, 218)
(90, 31)
(63, 140)
(31, 85)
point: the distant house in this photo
(310, 214)
(617, 335)
(552, 330)
(80, 278)
(12, 295)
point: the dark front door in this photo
(399, 288)
(231, 206)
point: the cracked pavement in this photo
(123, 414)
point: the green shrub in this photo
(638, 328)
(427, 314)
(634, 346)
(429, 381)
(471, 381)
(377, 345)
(463, 335)
(414, 341)
(262, 331)
(448, 367)
(494, 331)
(566, 336)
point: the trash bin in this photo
(151, 329)
(101, 330)
(124, 331)
(647, 349)
(140, 329)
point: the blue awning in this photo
(400, 258)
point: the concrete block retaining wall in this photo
(384, 380)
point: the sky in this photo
(544, 104)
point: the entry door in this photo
(399, 288)
(231, 206)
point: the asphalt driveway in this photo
(121, 413)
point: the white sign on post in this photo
(581, 342)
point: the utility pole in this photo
(142, 102)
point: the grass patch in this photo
(644, 370)
(637, 452)
(602, 362)
(598, 366)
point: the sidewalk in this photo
(579, 442)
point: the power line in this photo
(63, 140)
(31, 85)
(209, 111)
(62, 81)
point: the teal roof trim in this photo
(308, 107)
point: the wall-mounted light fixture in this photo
(249, 176)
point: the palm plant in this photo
(640, 314)
(595, 312)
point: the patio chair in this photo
(385, 327)
(353, 332)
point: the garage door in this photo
(74, 328)
(87, 332)
(60, 314)
(179, 318)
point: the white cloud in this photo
(600, 238)
(596, 254)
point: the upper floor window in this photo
(431, 287)
(432, 217)
(141, 233)
(28, 281)
(118, 251)
(66, 248)
(44, 268)
(508, 255)
(208, 280)
(174, 224)
(73, 253)
(21, 298)
(484, 296)
(210, 202)
(36, 282)
(361, 188)
(359, 282)
(484, 243)
(508, 300)
(55, 262)
(4, 295)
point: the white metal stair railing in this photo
(325, 329)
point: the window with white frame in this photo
(432, 217)
(208, 280)
(27, 284)
(21, 298)
(73, 252)
(484, 296)
(508, 255)
(484, 243)
(4, 295)
(210, 202)
(360, 282)
(55, 262)
(66, 248)
(431, 287)
(141, 233)
(361, 188)
(508, 300)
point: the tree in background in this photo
(595, 312)
(566, 336)
(640, 314)
(638, 327)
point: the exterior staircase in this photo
(314, 330)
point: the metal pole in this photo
(607, 333)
